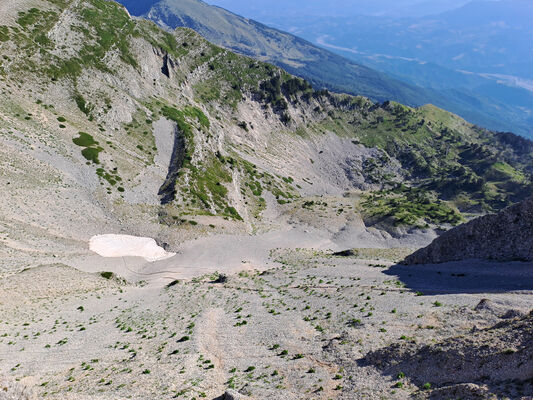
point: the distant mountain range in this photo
(474, 60)
(320, 67)
(262, 11)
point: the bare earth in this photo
(253, 302)
(286, 320)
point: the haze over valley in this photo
(196, 205)
(477, 51)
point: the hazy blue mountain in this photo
(390, 45)
(478, 56)
(483, 36)
(260, 10)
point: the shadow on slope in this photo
(469, 276)
(487, 362)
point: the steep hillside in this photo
(249, 181)
(112, 124)
(481, 365)
(321, 67)
(439, 53)
(504, 236)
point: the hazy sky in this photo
(276, 8)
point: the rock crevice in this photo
(167, 191)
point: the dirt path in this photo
(211, 347)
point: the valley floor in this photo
(279, 320)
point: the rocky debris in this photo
(463, 391)
(489, 306)
(168, 190)
(510, 314)
(232, 395)
(484, 304)
(12, 390)
(505, 236)
(489, 358)
(495, 309)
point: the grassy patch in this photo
(82, 104)
(4, 34)
(196, 113)
(91, 150)
(410, 207)
(84, 140)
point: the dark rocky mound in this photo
(493, 361)
(506, 236)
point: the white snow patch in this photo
(128, 246)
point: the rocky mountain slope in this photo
(428, 52)
(482, 365)
(504, 236)
(409, 81)
(110, 123)
(321, 67)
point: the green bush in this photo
(84, 140)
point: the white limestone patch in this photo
(128, 246)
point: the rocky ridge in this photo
(505, 236)
(471, 366)
(110, 125)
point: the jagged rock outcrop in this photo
(505, 236)
(231, 395)
(471, 366)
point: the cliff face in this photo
(507, 235)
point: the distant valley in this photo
(179, 220)
(469, 54)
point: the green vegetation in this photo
(231, 76)
(104, 26)
(164, 40)
(91, 154)
(4, 33)
(84, 140)
(36, 22)
(196, 113)
(470, 166)
(202, 186)
(501, 172)
(91, 150)
(207, 186)
(82, 104)
(180, 118)
(107, 26)
(410, 206)
(111, 178)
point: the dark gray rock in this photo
(505, 236)
(231, 395)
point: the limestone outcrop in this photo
(505, 236)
